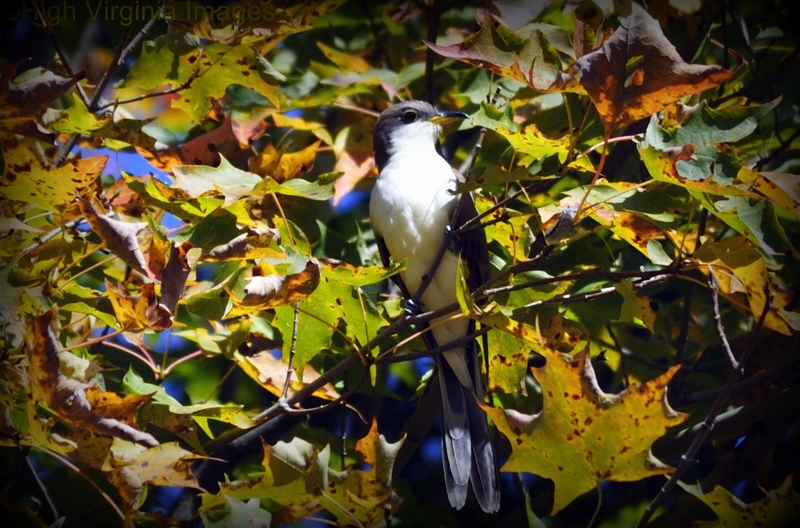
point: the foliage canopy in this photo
(192, 300)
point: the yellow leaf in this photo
(28, 179)
(583, 436)
(270, 373)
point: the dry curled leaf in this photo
(120, 238)
(138, 312)
(66, 396)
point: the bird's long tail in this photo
(467, 451)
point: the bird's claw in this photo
(452, 234)
(411, 308)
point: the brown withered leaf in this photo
(250, 245)
(175, 275)
(120, 238)
(66, 396)
(138, 312)
(637, 72)
(527, 58)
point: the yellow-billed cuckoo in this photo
(410, 209)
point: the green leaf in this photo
(204, 73)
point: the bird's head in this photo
(408, 122)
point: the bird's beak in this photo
(447, 116)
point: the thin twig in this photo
(714, 286)
(76, 469)
(708, 424)
(42, 488)
(292, 349)
(59, 51)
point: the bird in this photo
(411, 209)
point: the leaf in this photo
(750, 276)
(235, 513)
(283, 166)
(696, 156)
(30, 93)
(336, 300)
(528, 58)
(779, 507)
(269, 291)
(583, 436)
(345, 61)
(78, 120)
(138, 312)
(205, 149)
(66, 396)
(131, 467)
(224, 180)
(253, 244)
(637, 72)
(533, 145)
(270, 373)
(175, 274)
(379, 453)
(205, 72)
(28, 179)
(635, 308)
(298, 478)
(121, 238)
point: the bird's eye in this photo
(409, 116)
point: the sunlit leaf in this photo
(138, 312)
(205, 72)
(131, 467)
(583, 436)
(270, 373)
(27, 178)
(750, 276)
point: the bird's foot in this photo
(411, 308)
(453, 234)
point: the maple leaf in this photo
(138, 312)
(27, 95)
(748, 273)
(779, 507)
(204, 73)
(526, 56)
(637, 72)
(583, 436)
(270, 373)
